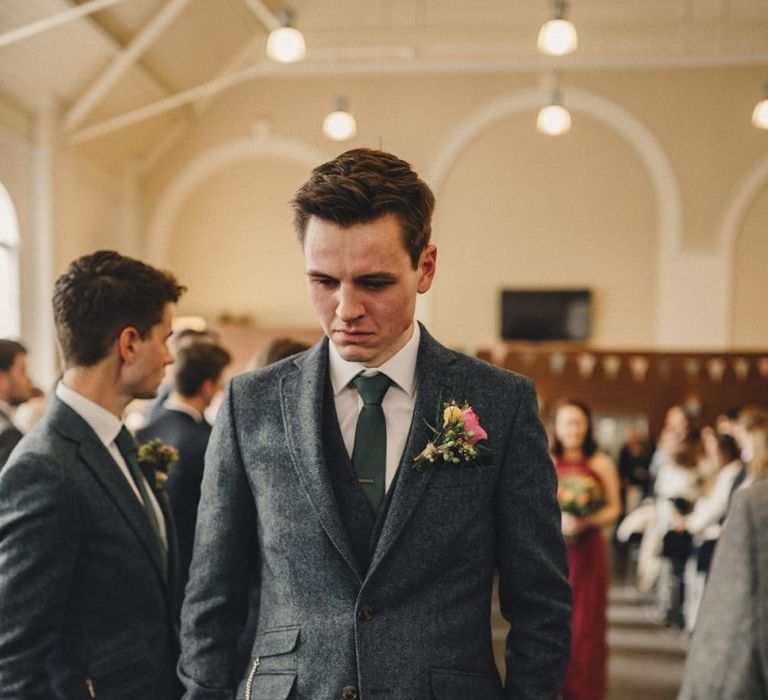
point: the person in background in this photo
(180, 422)
(576, 455)
(728, 654)
(15, 389)
(87, 542)
(678, 426)
(704, 523)
(277, 349)
(634, 462)
(178, 340)
(750, 418)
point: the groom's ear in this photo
(127, 344)
(427, 267)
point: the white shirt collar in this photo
(6, 408)
(400, 368)
(106, 425)
(174, 403)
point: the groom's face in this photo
(363, 285)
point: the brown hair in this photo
(758, 465)
(9, 351)
(101, 294)
(196, 362)
(277, 349)
(589, 446)
(363, 185)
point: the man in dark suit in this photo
(181, 422)
(15, 389)
(376, 567)
(87, 546)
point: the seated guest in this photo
(87, 548)
(728, 656)
(749, 419)
(15, 389)
(180, 422)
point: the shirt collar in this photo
(6, 409)
(106, 425)
(400, 368)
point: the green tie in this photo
(127, 446)
(369, 455)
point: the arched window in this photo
(9, 267)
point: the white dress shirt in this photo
(106, 425)
(398, 402)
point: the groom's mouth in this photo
(346, 336)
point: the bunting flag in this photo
(556, 363)
(586, 362)
(716, 369)
(692, 368)
(762, 367)
(638, 366)
(741, 368)
(611, 366)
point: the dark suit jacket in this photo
(728, 656)
(10, 436)
(190, 438)
(82, 596)
(416, 623)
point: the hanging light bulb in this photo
(760, 113)
(286, 44)
(340, 125)
(554, 119)
(557, 37)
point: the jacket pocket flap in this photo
(460, 685)
(276, 641)
(272, 686)
(123, 658)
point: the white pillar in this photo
(38, 252)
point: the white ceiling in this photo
(136, 53)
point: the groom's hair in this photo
(363, 185)
(101, 294)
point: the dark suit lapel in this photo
(301, 397)
(97, 458)
(435, 382)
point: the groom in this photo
(375, 577)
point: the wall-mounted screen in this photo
(556, 314)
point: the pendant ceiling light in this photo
(286, 44)
(760, 113)
(557, 37)
(554, 119)
(340, 125)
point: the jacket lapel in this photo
(97, 458)
(435, 382)
(301, 397)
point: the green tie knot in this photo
(373, 388)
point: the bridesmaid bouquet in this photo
(580, 495)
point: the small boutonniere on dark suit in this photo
(456, 441)
(157, 457)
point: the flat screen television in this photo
(551, 314)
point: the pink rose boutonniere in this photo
(456, 440)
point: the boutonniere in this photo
(455, 442)
(158, 457)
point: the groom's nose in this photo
(349, 305)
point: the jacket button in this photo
(365, 614)
(349, 692)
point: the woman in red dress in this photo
(575, 454)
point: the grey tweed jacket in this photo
(85, 610)
(728, 656)
(416, 623)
